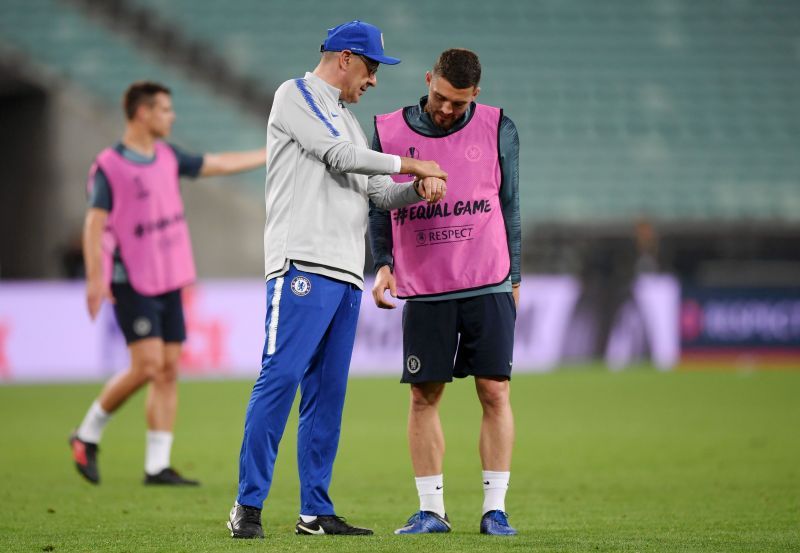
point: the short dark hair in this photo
(461, 67)
(141, 92)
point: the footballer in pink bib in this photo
(459, 244)
(147, 222)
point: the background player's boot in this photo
(85, 456)
(329, 524)
(425, 522)
(495, 523)
(169, 477)
(245, 522)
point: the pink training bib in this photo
(460, 243)
(146, 221)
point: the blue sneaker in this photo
(495, 523)
(425, 522)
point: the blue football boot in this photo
(425, 522)
(495, 523)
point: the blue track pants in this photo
(310, 326)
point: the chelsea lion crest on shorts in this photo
(413, 364)
(142, 326)
(300, 286)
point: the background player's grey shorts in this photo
(478, 332)
(141, 316)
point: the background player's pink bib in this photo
(460, 243)
(147, 222)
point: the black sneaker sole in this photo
(304, 532)
(171, 484)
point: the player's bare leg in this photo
(425, 436)
(145, 355)
(162, 394)
(496, 445)
(497, 424)
(426, 442)
(161, 407)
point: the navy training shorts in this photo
(140, 316)
(476, 332)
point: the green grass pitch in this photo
(636, 461)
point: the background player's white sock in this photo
(159, 446)
(91, 429)
(495, 485)
(431, 493)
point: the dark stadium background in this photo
(659, 144)
(655, 137)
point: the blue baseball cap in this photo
(360, 38)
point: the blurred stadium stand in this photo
(80, 68)
(675, 109)
(681, 113)
(63, 38)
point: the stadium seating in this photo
(671, 109)
(58, 36)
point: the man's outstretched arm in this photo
(228, 163)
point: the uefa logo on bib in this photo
(473, 153)
(300, 286)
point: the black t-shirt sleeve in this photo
(189, 165)
(509, 192)
(100, 195)
(380, 225)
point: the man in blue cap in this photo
(321, 173)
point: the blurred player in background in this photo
(138, 255)
(320, 174)
(459, 267)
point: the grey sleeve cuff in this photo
(346, 157)
(386, 194)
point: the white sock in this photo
(431, 493)
(159, 446)
(308, 518)
(91, 429)
(495, 485)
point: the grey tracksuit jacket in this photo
(321, 175)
